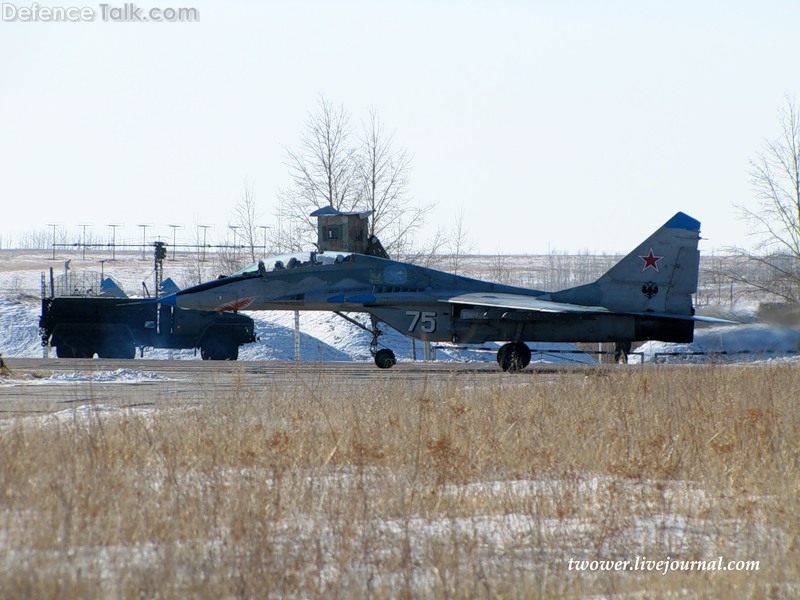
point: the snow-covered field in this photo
(324, 336)
(493, 486)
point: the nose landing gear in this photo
(385, 358)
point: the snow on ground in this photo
(324, 336)
(738, 343)
(19, 328)
(117, 376)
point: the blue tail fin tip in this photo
(683, 221)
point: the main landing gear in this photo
(513, 356)
(621, 351)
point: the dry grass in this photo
(454, 489)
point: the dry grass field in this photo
(451, 487)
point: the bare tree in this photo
(199, 262)
(775, 217)
(382, 173)
(35, 239)
(322, 169)
(331, 168)
(458, 243)
(246, 215)
(285, 238)
(428, 253)
(501, 269)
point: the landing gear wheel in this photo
(621, 351)
(385, 359)
(513, 357)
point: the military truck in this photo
(81, 321)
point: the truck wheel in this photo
(84, 352)
(65, 351)
(72, 349)
(118, 349)
(219, 348)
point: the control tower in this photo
(346, 232)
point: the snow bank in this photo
(738, 342)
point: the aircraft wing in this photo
(520, 302)
(534, 304)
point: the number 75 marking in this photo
(425, 320)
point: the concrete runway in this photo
(32, 388)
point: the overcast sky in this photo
(555, 125)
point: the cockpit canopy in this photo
(293, 261)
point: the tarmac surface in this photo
(37, 386)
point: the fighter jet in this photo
(646, 296)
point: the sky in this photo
(551, 126)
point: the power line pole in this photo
(234, 227)
(114, 241)
(53, 225)
(174, 245)
(83, 249)
(144, 239)
(205, 229)
(264, 229)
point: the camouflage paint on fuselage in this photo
(647, 295)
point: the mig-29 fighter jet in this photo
(646, 296)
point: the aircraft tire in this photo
(513, 357)
(385, 359)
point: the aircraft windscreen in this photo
(292, 261)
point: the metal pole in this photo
(174, 243)
(53, 225)
(144, 240)
(264, 228)
(205, 229)
(297, 336)
(83, 250)
(113, 241)
(234, 227)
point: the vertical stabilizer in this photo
(660, 275)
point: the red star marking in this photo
(651, 260)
